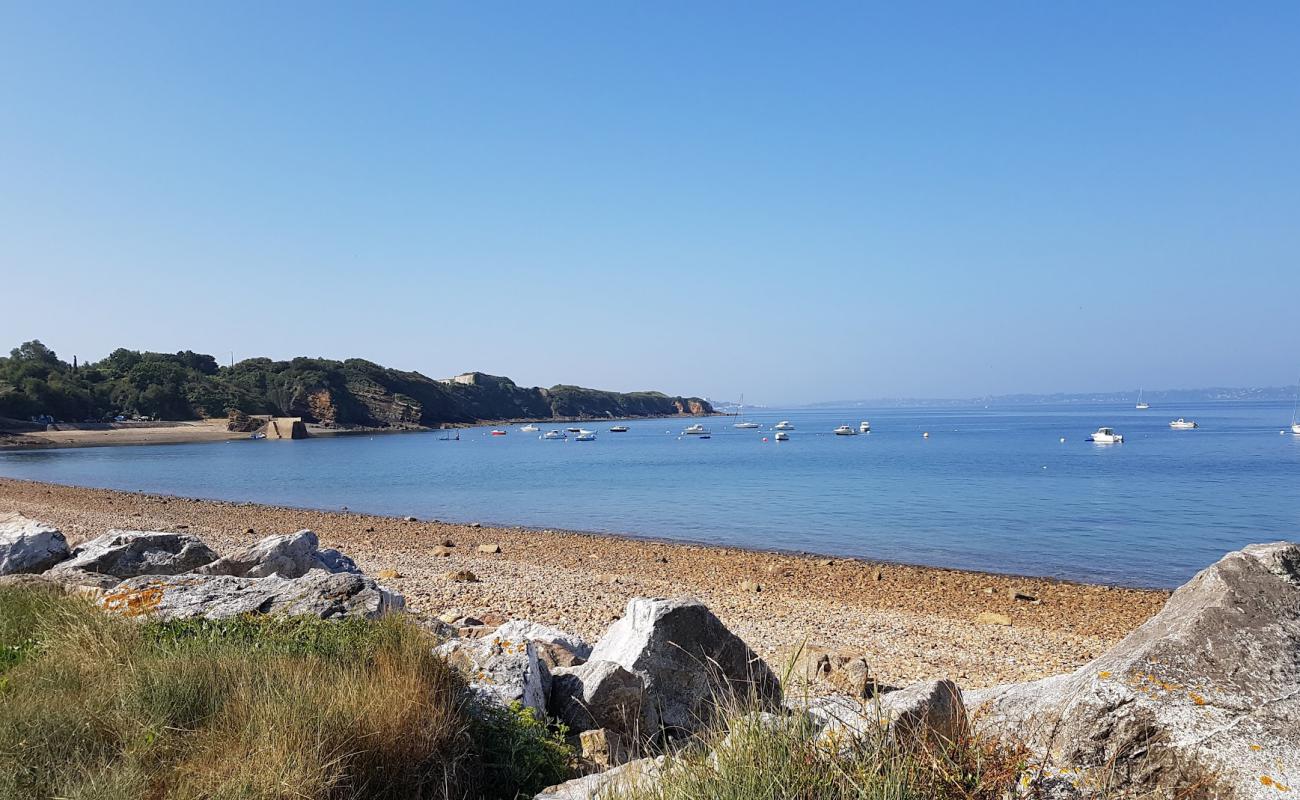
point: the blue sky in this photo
(799, 202)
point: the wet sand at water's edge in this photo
(909, 622)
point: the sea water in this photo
(990, 488)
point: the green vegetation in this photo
(34, 381)
(785, 760)
(94, 706)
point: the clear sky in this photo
(796, 201)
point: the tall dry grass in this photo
(785, 758)
(92, 706)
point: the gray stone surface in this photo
(1208, 690)
(687, 659)
(319, 594)
(842, 719)
(598, 694)
(126, 554)
(332, 560)
(500, 670)
(289, 555)
(72, 582)
(536, 632)
(641, 773)
(932, 710)
(29, 546)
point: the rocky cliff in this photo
(371, 395)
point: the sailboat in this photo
(1295, 424)
(1141, 406)
(740, 412)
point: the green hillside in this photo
(34, 381)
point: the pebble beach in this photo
(909, 622)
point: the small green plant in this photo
(519, 753)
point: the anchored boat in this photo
(1107, 436)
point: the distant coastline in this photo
(1271, 394)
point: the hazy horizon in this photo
(847, 202)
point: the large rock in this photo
(318, 594)
(28, 546)
(688, 661)
(928, 712)
(598, 694)
(289, 556)
(126, 554)
(632, 776)
(1207, 692)
(500, 670)
(931, 711)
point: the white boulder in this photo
(500, 670)
(688, 661)
(28, 546)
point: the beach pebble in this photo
(993, 618)
(462, 576)
(490, 549)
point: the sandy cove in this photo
(909, 622)
(135, 434)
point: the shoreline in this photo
(910, 622)
(207, 431)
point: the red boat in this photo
(498, 433)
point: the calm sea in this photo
(991, 488)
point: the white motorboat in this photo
(555, 435)
(782, 436)
(1295, 428)
(1107, 436)
(530, 428)
(784, 425)
(585, 436)
(618, 429)
(1181, 424)
(865, 427)
(845, 430)
(696, 430)
(1141, 406)
(746, 425)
